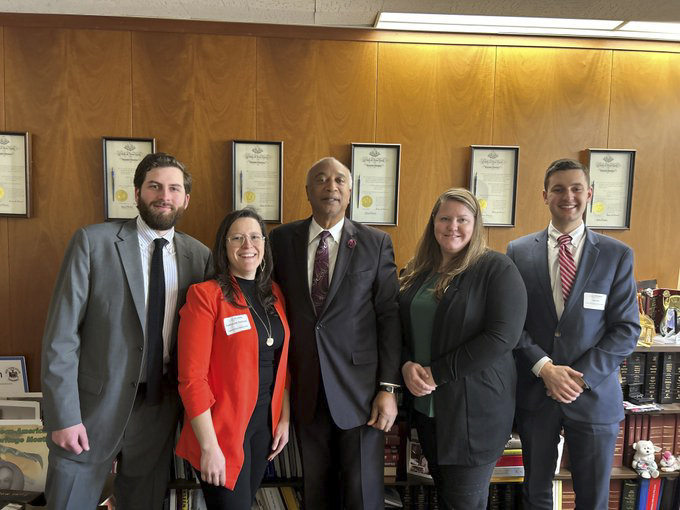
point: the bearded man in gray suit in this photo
(109, 379)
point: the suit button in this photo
(557, 334)
(319, 326)
(140, 348)
(133, 384)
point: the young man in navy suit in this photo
(582, 321)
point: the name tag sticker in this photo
(594, 301)
(236, 323)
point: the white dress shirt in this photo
(576, 249)
(146, 236)
(333, 243)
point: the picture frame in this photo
(257, 177)
(375, 183)
(611, 182)
(13, 376)
(493, 180)
(15, 174)
(121, 156)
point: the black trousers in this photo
(343, 469)
(256, 448)
(458, 487)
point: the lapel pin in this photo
(351, 243)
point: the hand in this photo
(418, 379)
(383, 411)
(213, 466)
(562, 382)
(72, 439)
(280, 439)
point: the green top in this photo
(423, 308)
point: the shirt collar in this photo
(147, 235)
(315, 229)
(576, 235)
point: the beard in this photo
(159, 220)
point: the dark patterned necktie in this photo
(567, 265)
(155, 314)
(320, 281)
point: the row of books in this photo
(662, 429)
(651, 377)
(647, 494)
(266, 498)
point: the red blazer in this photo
(219, 372)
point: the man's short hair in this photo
(160, 160)
(565, 164)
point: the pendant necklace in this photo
(267, 327)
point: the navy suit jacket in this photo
(594, 342)
(355, 342)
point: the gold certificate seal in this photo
(250, 197)
(2, 192)
(598, 207)
(483, 203)
(121, 195)
(366, 201)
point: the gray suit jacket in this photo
(93, 344)
(591, 341)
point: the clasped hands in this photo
(562, 383)
(418, 378)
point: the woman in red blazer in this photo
(233, 351)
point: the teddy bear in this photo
(643, 460)
(669, 462)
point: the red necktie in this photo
(567, 265)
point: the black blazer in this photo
(477, 324)
(356, 341)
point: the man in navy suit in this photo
(345, 349)
(582, 321)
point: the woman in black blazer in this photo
(462, 308)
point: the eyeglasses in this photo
(240, 239)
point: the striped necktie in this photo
(567, 265)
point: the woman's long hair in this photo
(428, 257)
(263, 276)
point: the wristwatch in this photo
(389, 388)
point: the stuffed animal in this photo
(669, 462)
(643, 460)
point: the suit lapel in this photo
(585, 268)
(349, 231)
(128, 251)
(540, 258)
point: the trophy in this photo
(647, 331)
(671, 315)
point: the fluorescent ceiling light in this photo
(651, 26)
(504, 21)
(510, 25)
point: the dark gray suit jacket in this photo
(356, 341)
(594, 342)
(93, 344)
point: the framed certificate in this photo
(121, 157)
(493, 180)
(13, 377)
(15, 174)
(257, 178)
(611, 179)
(375, 183)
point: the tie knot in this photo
(324, 234)
(160, 243)
(563, 240)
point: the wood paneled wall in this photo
(196, 91)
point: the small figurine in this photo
(643, 460)
(669, 462)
